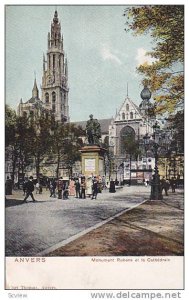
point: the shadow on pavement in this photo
(14, 202)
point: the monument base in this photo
(92, 160)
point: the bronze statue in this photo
(93, 131)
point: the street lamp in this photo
(144, 106)
(156, 191)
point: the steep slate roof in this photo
(31, 100)
(104, 124)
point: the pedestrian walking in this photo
(60, 187)
(24, 187)
(29, 189)
(37, 187)
(173, 184)
(164, 186)
(53, 188)
(89, 184)
(72, 187)
(40, 188)
(83, 188)
(95, 188)
(8, 186)
(47, 184)
(65, 191)
(77, 188)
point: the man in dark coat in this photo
(8, 186)
(95, 189)
(53, 188)
(77, 188)
(29, 189)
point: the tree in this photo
(66, 142)
(177, 127)
(165, 76)
(23, 136)
(10, 125)
(40, 140)
(72, 146)
(132, 149)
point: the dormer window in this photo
(123, 116)
(131, 115)
(127, 107)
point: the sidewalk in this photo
(154, 228)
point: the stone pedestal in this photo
(92, 160)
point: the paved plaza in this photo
(33, 228)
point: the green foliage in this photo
(131, 147)
(165, 76)
(36, 138)
(10, 126)
(177, 127)
(65, 144)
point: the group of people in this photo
(166, 184)
(80, 187)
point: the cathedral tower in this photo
(55, 74)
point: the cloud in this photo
(107, 54)
(142, 58)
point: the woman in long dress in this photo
(72, 187)
(89, 184)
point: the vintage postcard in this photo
(94, 148)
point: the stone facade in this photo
(55, 74)
(129, 118)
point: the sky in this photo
(102, 57)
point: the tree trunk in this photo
(14, 160)
(58, 166)
(130, 170)
(37, 165)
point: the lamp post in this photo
(145, 95)
(156, 192)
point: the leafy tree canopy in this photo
(165, 76)
(10, 125)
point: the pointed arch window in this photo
(25, 114)
(53, 97)
(47, 98)
(53, 101)
(49, 61)
(53, 61)
(131, 115)
(123, 116)
(53, 108)
(127, 107)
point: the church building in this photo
(54, 86)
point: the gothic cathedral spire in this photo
(35, 91)
(55, 74)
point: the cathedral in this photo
(54, 86)
(130, 119)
